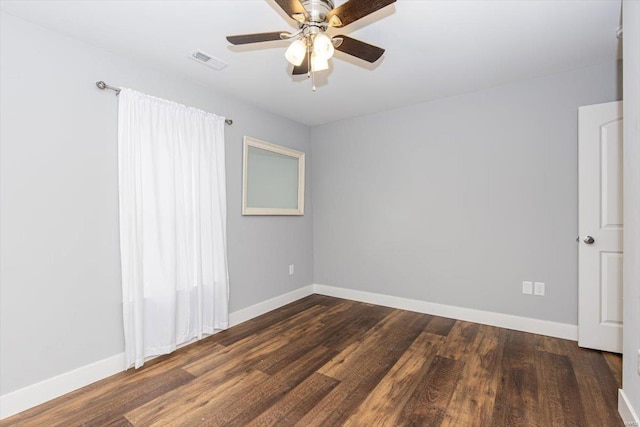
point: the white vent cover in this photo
(208, 60)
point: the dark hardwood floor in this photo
(325, 361)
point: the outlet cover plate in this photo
(527, 288)
(538, 289)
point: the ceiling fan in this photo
(311, 47)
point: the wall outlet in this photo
(538, 289)
(527, 288)
(291, 270)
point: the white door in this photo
(600, 226)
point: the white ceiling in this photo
(434, 49)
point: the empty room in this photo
(320, 213)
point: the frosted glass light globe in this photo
(318, 63)
(322, 46)
(296, 52)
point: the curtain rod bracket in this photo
(102, 85)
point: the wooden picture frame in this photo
(272, 179)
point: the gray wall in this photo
(631, 308)
(60, 288)
(459, 200)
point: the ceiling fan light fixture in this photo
(311, 48)
(322, 46)
(296, 52)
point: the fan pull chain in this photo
(310, 72)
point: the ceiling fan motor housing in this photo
(318, 9)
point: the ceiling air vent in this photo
(208, 60)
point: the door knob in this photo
(589, 240)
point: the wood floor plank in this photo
(360, 351)
(615, 365)
(108, 409)
(551, 413)
(118, 422)
(327, 328)
(473, 400)
(172, 407)
(359, 369)
(351, 331)
(560, 398)
(517, 397)
(230, 338)
(338, 367)
(295, 404)
(234, 361)
(230, 367)
(100, 408)
(111, 386)
(247, 352)
(383, 405)
(325, 361)
(428, 403)
(594, 378)
(440, 325)
(551, 345)
(459, 340)
(262, 322)
(239, 410)
(595, 383)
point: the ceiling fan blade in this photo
(362, 50)
(255, 38)
(293, 8)
(301, 69)
(353, 10)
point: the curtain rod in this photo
(102, 85)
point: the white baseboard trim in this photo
(525, 324)
(626, 411)
(263, 307)
(36, 394)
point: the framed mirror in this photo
(273, 179)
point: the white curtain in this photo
(175, 282)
